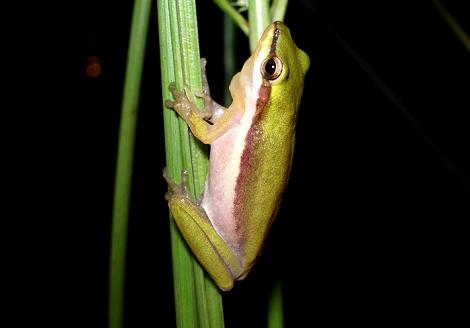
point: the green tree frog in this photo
(251, 148)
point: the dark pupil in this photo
(270, 67)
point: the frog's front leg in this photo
(196, 119)
(210, 249)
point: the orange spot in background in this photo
(93, 67)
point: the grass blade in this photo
(259, 18)
(197, 300)
(453, 24)
(125, 159)
(275, 307)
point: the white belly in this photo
(224, 168)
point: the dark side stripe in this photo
(277, 32)
(248, 161)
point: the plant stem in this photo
(275, 308)
(229, 56)
(453, 24)
(125, 157)
(259, 18)
(197, 301)
(278, 10)
(234, 14)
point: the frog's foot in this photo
(215, 255)
(183, 104)
(177, 189)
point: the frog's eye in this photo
(271, 68)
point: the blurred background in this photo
(372, 227)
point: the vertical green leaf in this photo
(278, 10)
(275, 307)
(230, 57)
(197, 299)
(125, 160)
(259, 18)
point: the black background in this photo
(372, 227)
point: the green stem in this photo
(230, 58)
(185, 298)
(197, 301)
(125, 159)
(278, 10)
(259, 18)
(275, 308)
(234, 14)
(453, 24)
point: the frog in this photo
(251, 151)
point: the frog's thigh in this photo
(209, 248)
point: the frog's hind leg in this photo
(209, 248)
